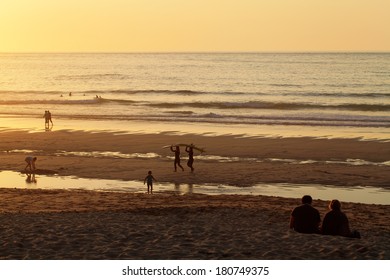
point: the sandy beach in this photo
(61, 224)
(73, 153)
(37, 224)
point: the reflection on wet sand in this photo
(31, 178)
(183, 188)
(10, 179)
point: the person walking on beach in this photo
(149, 179)
(336, 222)
(190, 162)
(305, 218)
(30, 163)
(49, 118)
(176, 163)
(46, 116)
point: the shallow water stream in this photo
(11, 179)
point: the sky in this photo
(194, 25)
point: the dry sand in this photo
(37, 224)
(59, 224)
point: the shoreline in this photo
(35, 125)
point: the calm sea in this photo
(324, 94)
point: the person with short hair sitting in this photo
(305, 218)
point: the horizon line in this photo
(192, 52)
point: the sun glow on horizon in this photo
(193, 25)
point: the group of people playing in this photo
(306, 219)
(190, 162)
(149, 179)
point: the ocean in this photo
(263, 94)
(322, 95)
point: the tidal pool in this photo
(369, 195)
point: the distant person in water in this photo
(30, 163)
(305, 218)
(336, 222)
(176, 163)
(149, 180)
(190, 161)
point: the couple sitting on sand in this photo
(306, 219)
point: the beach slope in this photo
(59, 224)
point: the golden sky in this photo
(194, 25)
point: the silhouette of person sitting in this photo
(336, 222)
(305, 218)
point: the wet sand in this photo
(60, 224)
(53, 148)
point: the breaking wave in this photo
(263, 105)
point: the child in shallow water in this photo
(149, 179)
